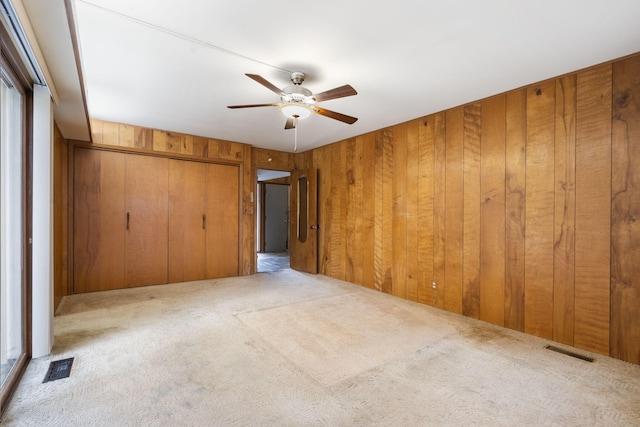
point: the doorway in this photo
(272, 225)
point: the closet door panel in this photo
(222, 228)
(187, 221)
(99, 220)
(147, 220)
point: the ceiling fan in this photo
(298, 102)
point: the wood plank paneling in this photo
(143, 138)
(160, 140)
(97, 130)
(454, 210)
(593, 209)
(471, 242)
(425, 208)
(399, 211)
(126, 135)
(565, 211)
(201, 147)
(175, 142)
(492, 212)
(339, 211)
(538, 315)
(248, 229)
(515, 209)
(439, 208)
(350, 210)
(368, 208)
(358, 212)
(110, 133)
(625, 212)
(325, 210)
(386, 137)
(412, 212)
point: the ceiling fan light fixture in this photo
(295, 110)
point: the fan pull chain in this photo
(295, 133)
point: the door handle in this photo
(128, 215)
(204, 222)
(315, 227)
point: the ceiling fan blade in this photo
(252, 105)
(339, 92)
(265, 83)
(291, 123)
(337, 116)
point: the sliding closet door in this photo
(99, 220)
(187, 220)
(222, 227)
(146, 220)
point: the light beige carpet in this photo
(292, 349)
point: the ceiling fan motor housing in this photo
(297, 77)
(297, 94)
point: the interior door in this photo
(222, 221)
(146, 196)
(187, 220)
(99, 220)
(304, 221)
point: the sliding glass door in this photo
(14, 262)
(11, 225)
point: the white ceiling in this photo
(177, 65)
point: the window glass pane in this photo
(11, 227)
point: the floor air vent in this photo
(569, 353)
(58, 369)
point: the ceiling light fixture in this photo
(296, 110)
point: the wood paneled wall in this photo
(182, 146)
(521, 209)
